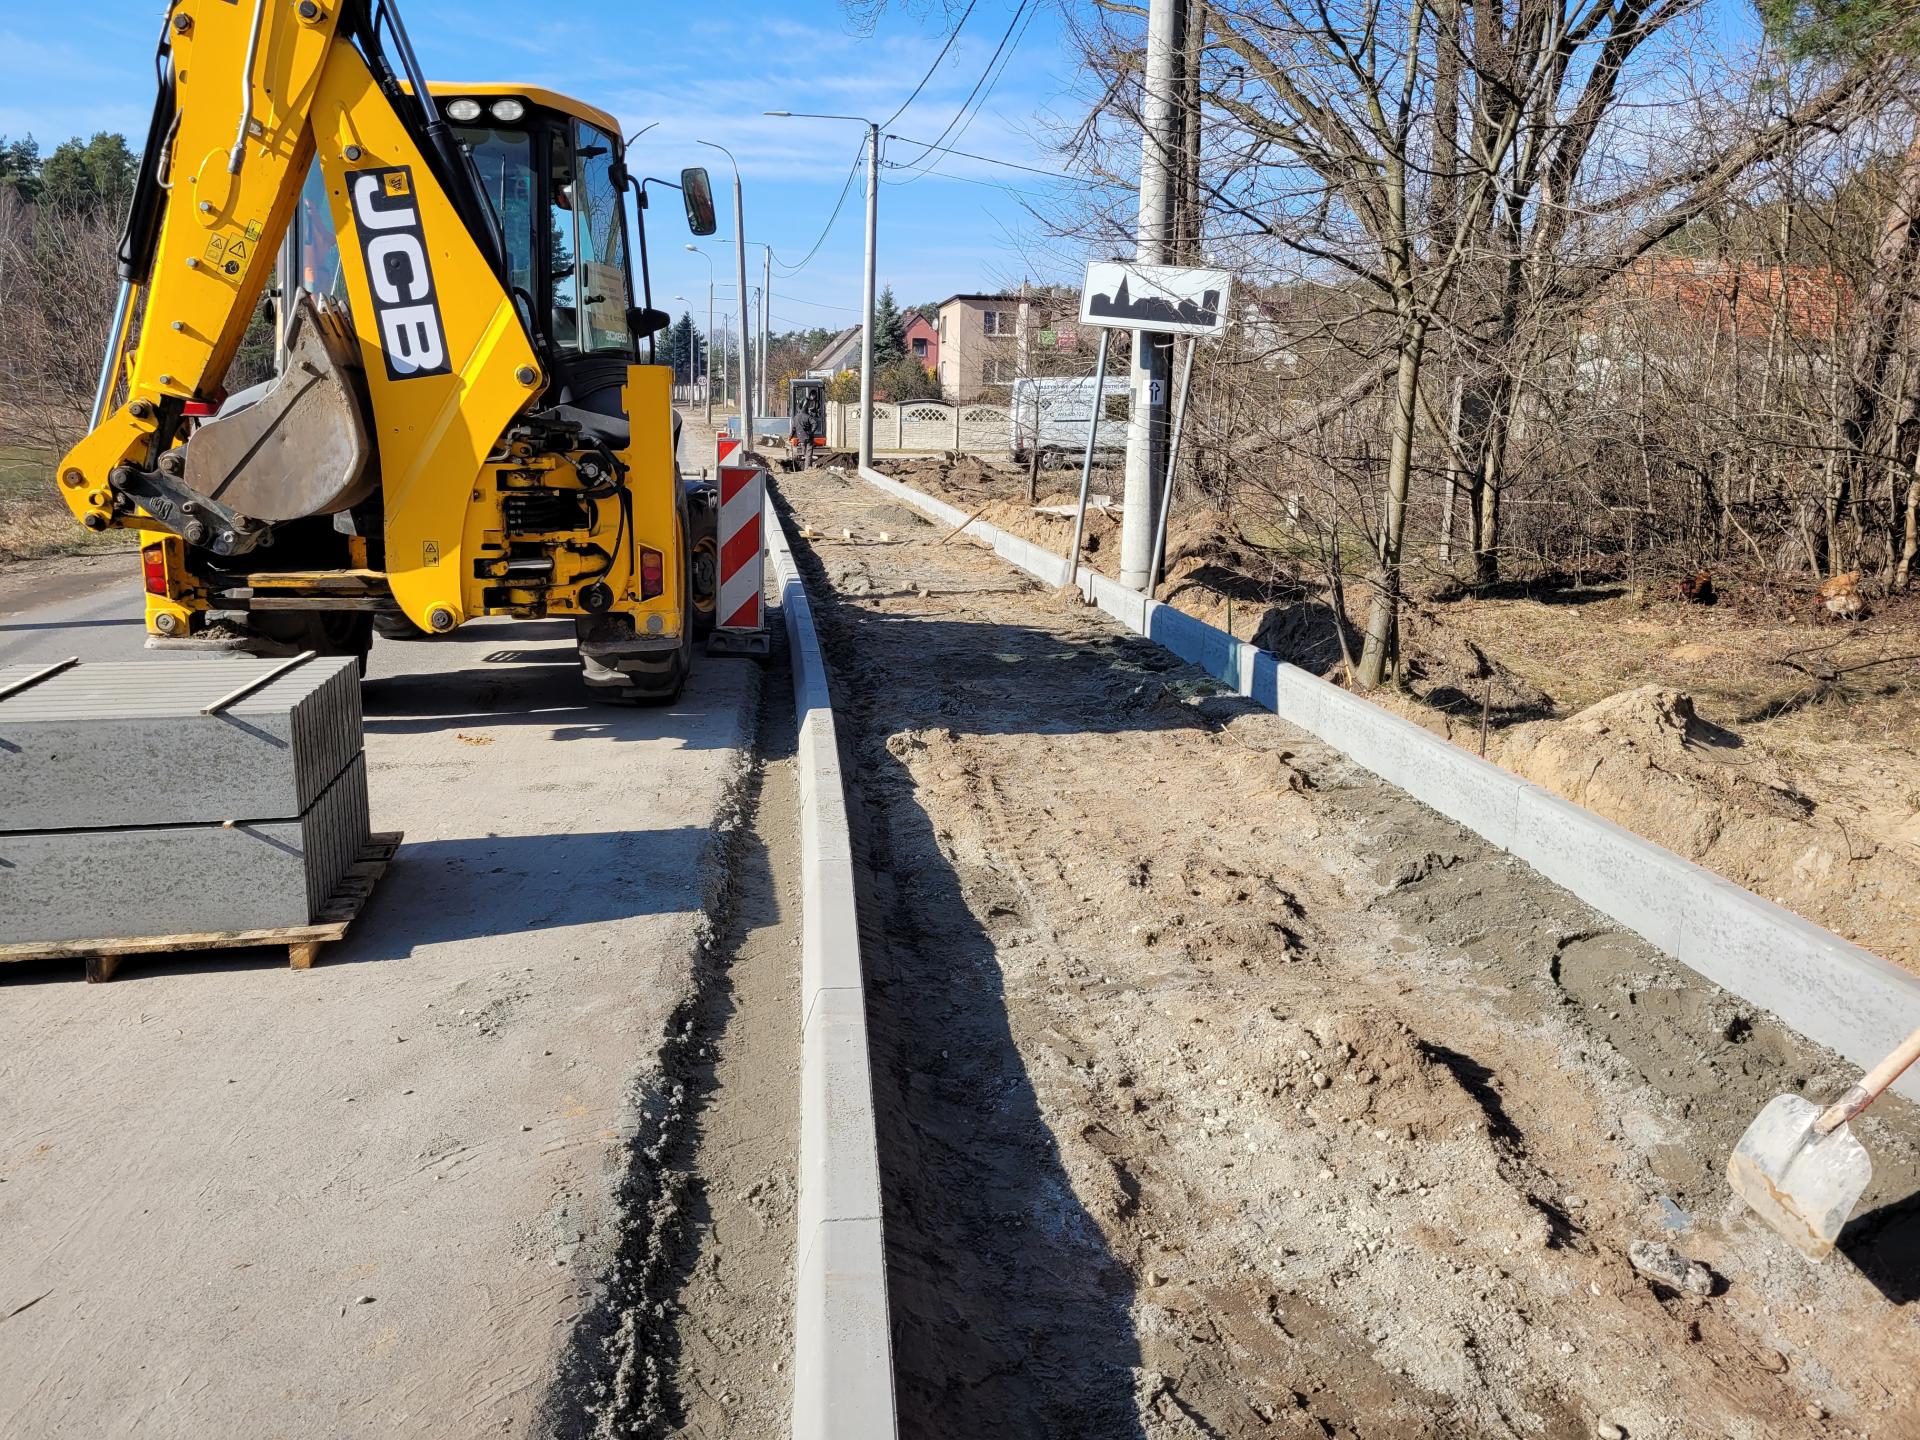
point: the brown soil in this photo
(714, 1356)
(1246, 1097)
(1829, 826)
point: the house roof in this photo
(833, 347)
(951, 298)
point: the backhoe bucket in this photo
(297, 445)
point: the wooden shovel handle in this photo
(1869, 1087)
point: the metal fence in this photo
(931, 426)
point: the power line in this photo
(827, 229)
(994, 59)
(931, 68)
(817, 304)
(992, 85)
(983, 159)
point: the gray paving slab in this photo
(127, 743)
(61, 885)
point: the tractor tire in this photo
(703, 513)
(398, 627)
(329, 632)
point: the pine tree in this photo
(684, 349)
(889, 330)
(20, 167)
(85, 175)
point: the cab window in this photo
(563, 226)
(601, 246)
(504, 160)
(317, 241)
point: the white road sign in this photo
(1166, 299)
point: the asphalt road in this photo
(372, 1198)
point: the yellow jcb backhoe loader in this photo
(458, 424)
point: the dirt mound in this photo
(1305, 633)
(1643, 758)
(1452, 674)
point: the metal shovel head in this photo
(1803, 1185)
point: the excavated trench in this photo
(1226, 1091)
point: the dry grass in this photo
(34, 521)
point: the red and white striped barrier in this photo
(723, 446)
(741, 612)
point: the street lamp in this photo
(866, 293)
(765, 315)
(708, 386)
(740, 278)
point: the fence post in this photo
(956, 428)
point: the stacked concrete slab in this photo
(134, 802)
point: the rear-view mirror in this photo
(697, 190)
(642, 322)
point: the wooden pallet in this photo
(303, 942)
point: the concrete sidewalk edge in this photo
(842, 1346)
(1817, 983)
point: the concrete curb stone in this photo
(843, 1352)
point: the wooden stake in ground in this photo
(958, 528)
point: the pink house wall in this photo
(919, 331)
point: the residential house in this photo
(979, 351)
(1738, 298)
(985, 342)
(840, 353)
(923, 340)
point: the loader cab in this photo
(553, 170)
(553, 173)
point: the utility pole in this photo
(706, 368)
(755, 354)
(766, 330)
(866, 297)
(1161, 135)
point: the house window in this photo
(997, 370)
(999, 322)
(943, 327)
(920, 348)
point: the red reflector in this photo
(198, 409)
(652, 573)
(153, 564)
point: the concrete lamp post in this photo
(708, 385)
(866, 289)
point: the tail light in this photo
(153, 564)
(652, 573)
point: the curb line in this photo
(842, 1348)
(1823, 987)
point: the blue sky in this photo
(650, 61)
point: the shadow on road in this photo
(1011, 1313)
(538, 688)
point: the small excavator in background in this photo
(459, 425)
